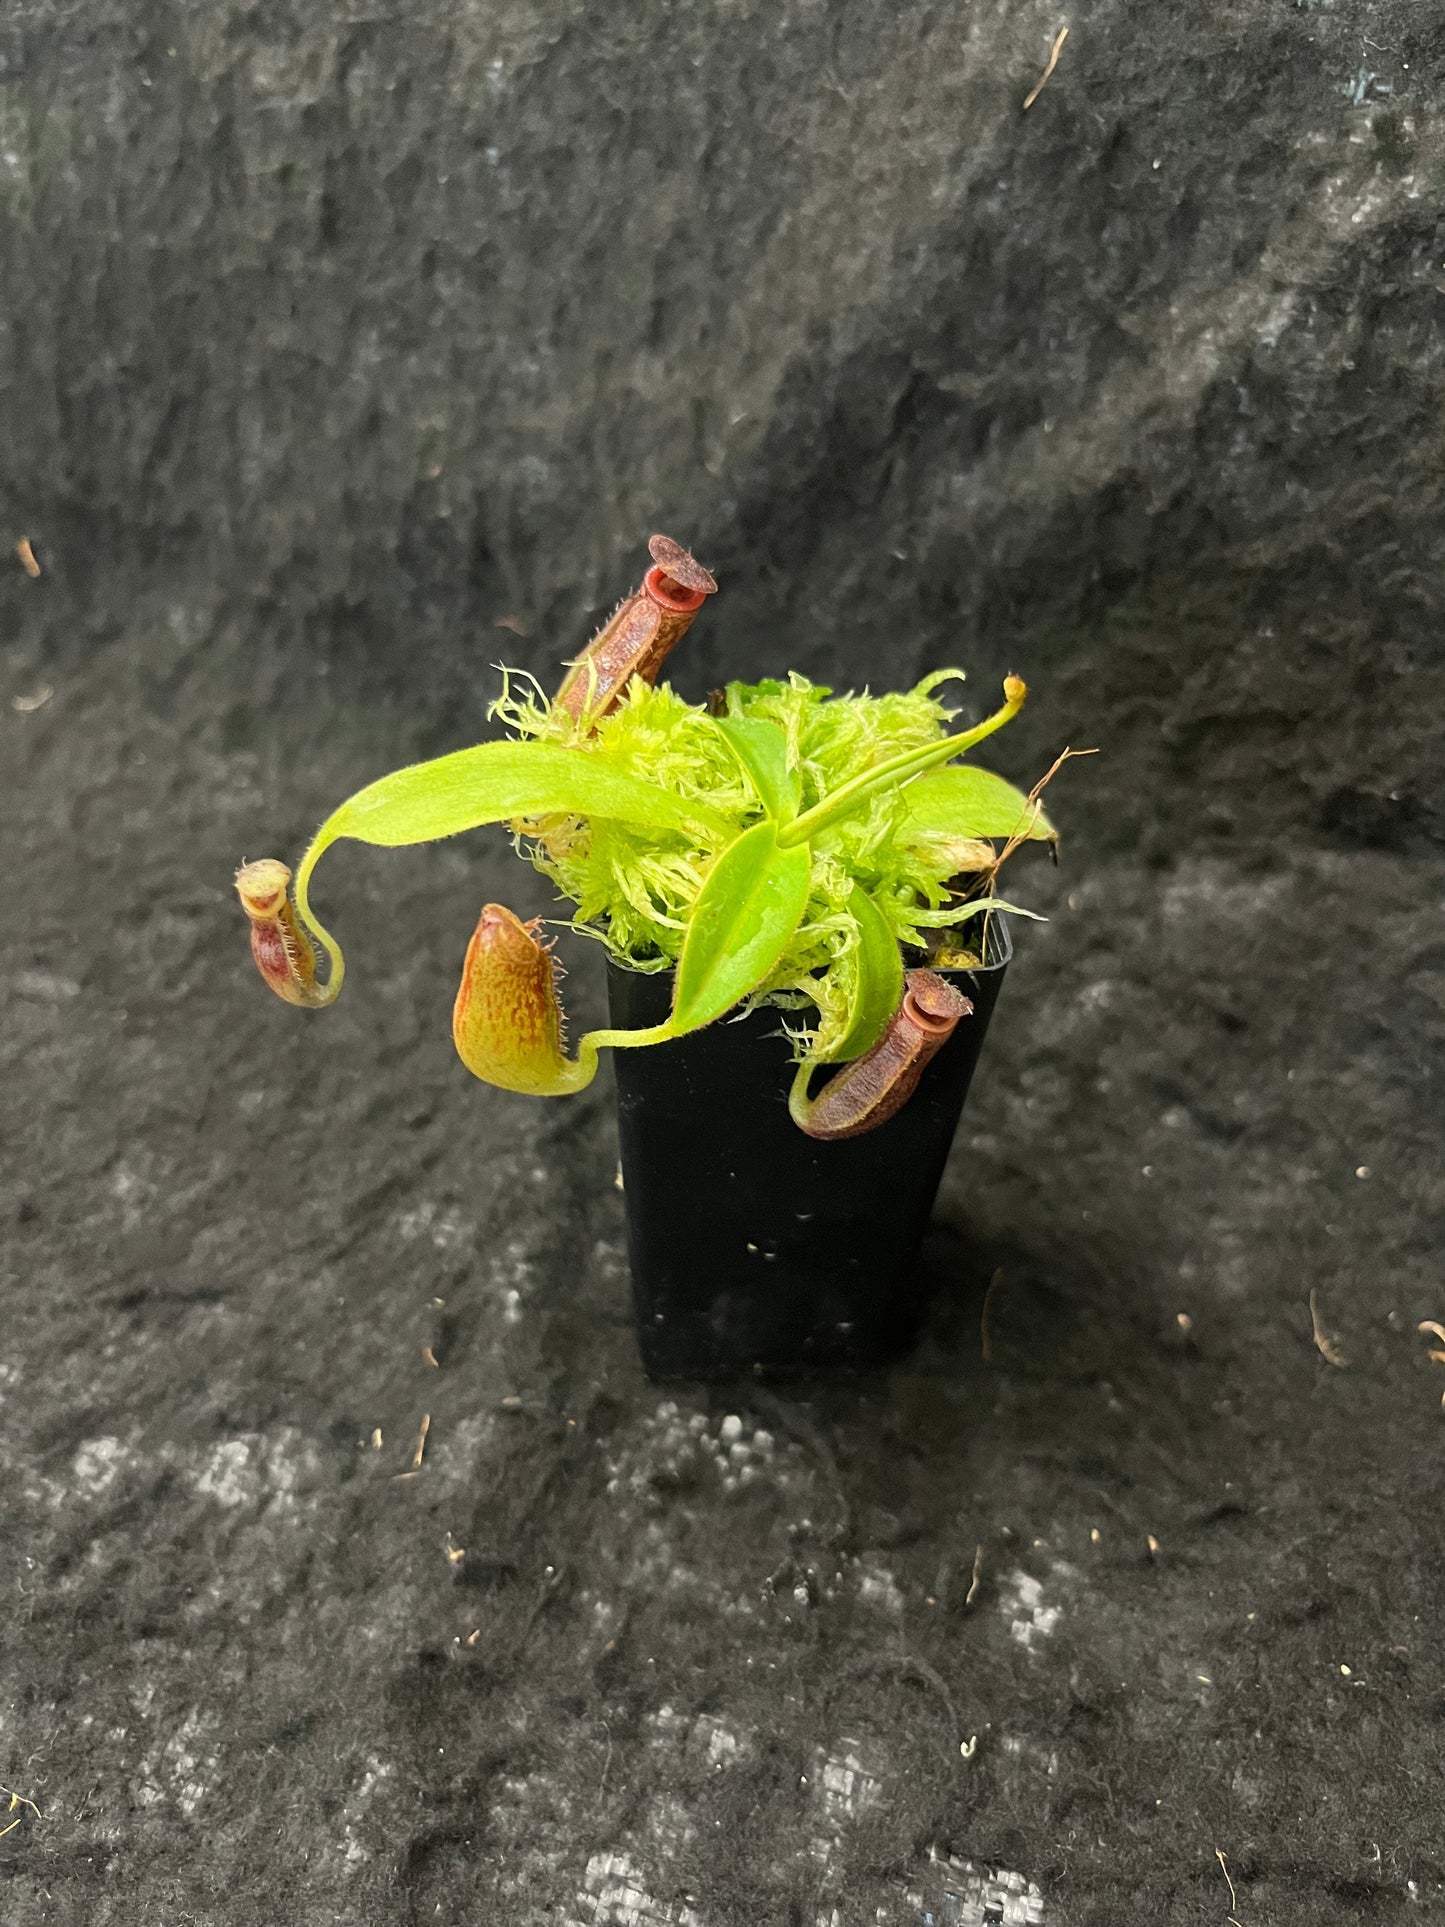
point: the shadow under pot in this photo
(753, 1246)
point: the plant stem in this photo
(596, 1040)
(313, 924)
(898, 769)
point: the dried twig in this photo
(1325, 1345)
(988, 879)
(17, 1800)
(1436, 1330)
(27, 557)
(973, 1584)
(1031, 815)
(984, 1338)
(27, 705)
(419, 1453)
(1224, 1869)
(1059, 38)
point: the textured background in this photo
(333, 336)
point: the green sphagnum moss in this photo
(634, 886)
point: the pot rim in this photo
(997, 954)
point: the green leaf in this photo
(494, 782)
(878, 980)
(897, 770)
(963, 801)
(762, 749)
(751, 902)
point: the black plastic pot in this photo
(753, 1246)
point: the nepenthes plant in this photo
(778, 845)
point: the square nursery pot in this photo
(754, 1247)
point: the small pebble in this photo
(730, 1429)
(762, 1441)
(511, 1403)
(738, 1452)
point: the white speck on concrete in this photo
(253, 1468)
(844, 1786)
(955, 1893)
(847, 1786)
(459, 1450)
(428, 1220)
(97, 1465)
(707, 1735)
(134, 1193)
(719, 1742)
(373, 1780)
(1099, 995)
(45, 986)
(174, 1768)
(1031, 1753)
(879, 1589)
(614, 1894)
(229, 1475)
(1021, 1602)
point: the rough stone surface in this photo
(332, 336)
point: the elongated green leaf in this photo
(493, 782)
(762, 749)
(877, 984)
(897, 770)
(749, 906)
(963, 801)
(490, 783)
